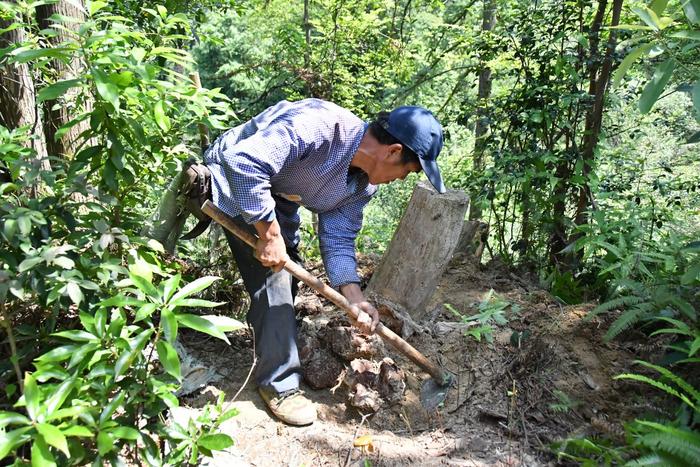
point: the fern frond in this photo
(684, 307)
(658, 385)
(627, 319)
(683, 384)
(650, 460)
(618, 302)
(681, 444)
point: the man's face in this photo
(391, 167)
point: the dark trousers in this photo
(271, 315)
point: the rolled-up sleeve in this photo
(249, 164)
(337, 233)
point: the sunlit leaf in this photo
(656, 85)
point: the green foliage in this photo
(85, 300)
(493, 310)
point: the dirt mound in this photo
(546, 375)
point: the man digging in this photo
(315, 154)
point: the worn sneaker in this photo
(290, 406)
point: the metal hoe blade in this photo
(433, 394)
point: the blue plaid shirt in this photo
(292, 154)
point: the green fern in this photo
(618, 302)
(646, 461)
(678, 443)
(680, 382)
(626, 320)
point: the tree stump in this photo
(421, 248)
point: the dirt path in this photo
(547, 375)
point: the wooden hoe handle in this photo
(441, 377)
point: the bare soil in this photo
(511, 400)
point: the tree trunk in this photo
(58, 112)
(482, 122)
(594, 117)
(421, 248)
(18, 96)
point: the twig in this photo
(5, 320)
(247, 378)
(364, 417)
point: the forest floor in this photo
(513, 397)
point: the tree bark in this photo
(421, 248)
(482, 114)
(18, 96)
(58, 112)
(594, 117)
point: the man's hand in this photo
(367, 315)
(270, 248)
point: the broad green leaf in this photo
(108, 90)
(24, 55)
(57, 89)
(105, 443)
(9, 229)
(78, 431)
(648, 16)
(692, 35)
(127, 357)
(58, 396)
(145, 311)
(224, 323)
(12, 439)
(696, 99)
(169, 324)
(228, 415)
(96, 6)
(658, 6)
(41, 455)
(694, 138)
(142, 269)
(144, 285)
(692, 10)
(74, 292)
(111, 407)
(169, 286)
(200, 324)
(121, 300)
(78, 336)
(12, 418)
(70, 412)
(215, 442)
(161, 118)
(125, 432)
(196, 303)
(31, 396)
(63, 261)
(53, 437)
(59, 353)
(656, 85)
(29, 262)
(195, 286)
(169, 359)
(631, 57)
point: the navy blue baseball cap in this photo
(418, 130)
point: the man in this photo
(315, 154)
